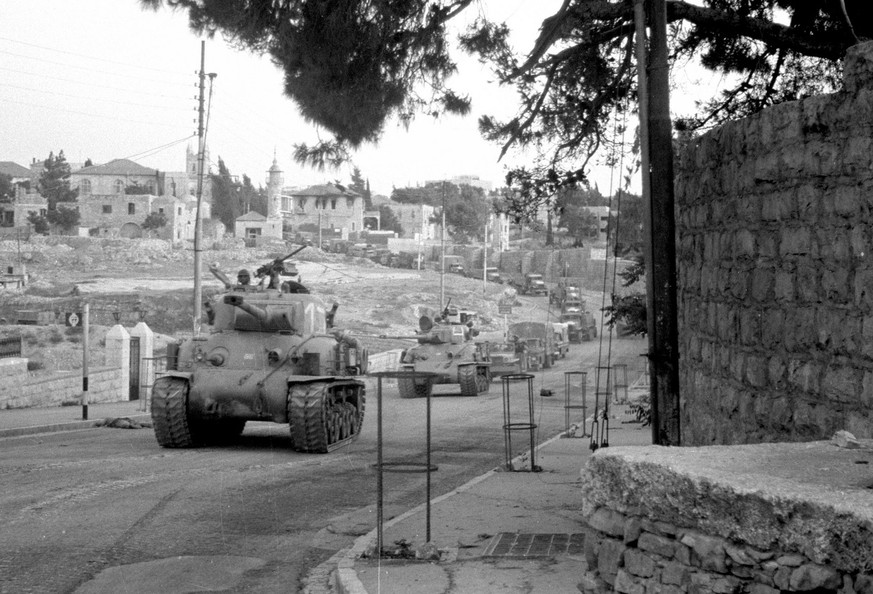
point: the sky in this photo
(105, 79)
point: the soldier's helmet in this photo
(243, 277)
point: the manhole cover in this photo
(512, 544)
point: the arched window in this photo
(85, 187)
(119, 186)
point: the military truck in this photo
(533, 284)
(562, 339)
(581, 325)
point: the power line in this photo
(87, 84)
(125, 64)
(92, 115)
(153, 106)
(156, 150)
(87, 69)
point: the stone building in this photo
(328, 206)
(116, 197)
(415, 219)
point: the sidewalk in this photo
(501, 532)
(29, 421)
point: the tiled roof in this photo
(323, 190)
(13, 169)
(117, 167)
(252, 215)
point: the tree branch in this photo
(773, 34)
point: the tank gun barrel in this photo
(254, 310)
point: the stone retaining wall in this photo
(18, 389)
(737, 519)
(775, 270)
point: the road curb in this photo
(66, 426)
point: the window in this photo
(161, 210)
(150, 186)
(180, 211)
(119, 186)
(85, 187)
(107, 209)
(131, 208)
(350, 203)
(333, 203)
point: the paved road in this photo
(76, 503)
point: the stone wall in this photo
(736, 519)
(19, 389)
(775, 264)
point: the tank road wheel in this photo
(410, 389)
(170, 413)
(325, 415)
(468, 378)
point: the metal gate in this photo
(134, 368)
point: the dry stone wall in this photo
(775, 263)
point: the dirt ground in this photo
(373, 300)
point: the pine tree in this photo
(54, 181)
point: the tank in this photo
(447, 350)
(271, 355)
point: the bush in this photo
(35, 365)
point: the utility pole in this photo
(443, 253)
(661, 296)
(198, 221)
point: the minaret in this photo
(275, 181)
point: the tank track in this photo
(474, 380)
(325, 415)
(409, 388)
(169, 413)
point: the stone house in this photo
(116, 197)
(329, 206)
(254, 225)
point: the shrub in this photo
(35, 365)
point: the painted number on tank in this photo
(248, 356)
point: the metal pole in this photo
(485, 261)
(443, 253)
(427, 495)
(85, 332)
(662, 283)
(198, 221)
(379, 491)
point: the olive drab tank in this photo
(447, 350)
(271, 355)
